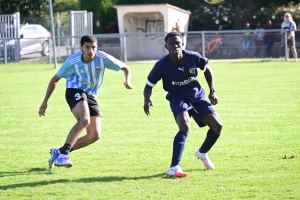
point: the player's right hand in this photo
(213, 98)
(42, 109)
(147, 104)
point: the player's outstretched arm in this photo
(127, 73)
(51, 86)
(147, 101)
(210, 81)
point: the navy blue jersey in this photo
(180, 80)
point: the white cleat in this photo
(63, 161)
(205, 159)
(176, 172)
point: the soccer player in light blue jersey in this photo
(178, 71)
(84, 73)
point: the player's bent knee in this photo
(218, 128)
(84, 122)
(184, 128)
(94, 137)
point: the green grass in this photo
(258, 103)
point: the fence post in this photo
(72, 31)
(203, 43)
(17, 35)
(285, 44)
(49, 57)
(53, 33)
(124, 47)
(58, 34)
(5, 51)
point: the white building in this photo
(149, 18)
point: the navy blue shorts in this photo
(196, 110)
(73, 96)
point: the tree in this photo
(231, 14)
(27, 8)
(234, 14)
(103, 12)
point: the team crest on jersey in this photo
(98, 67)
(192, 70)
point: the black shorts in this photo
(73, 96)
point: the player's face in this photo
(174, 45)
(89, 51)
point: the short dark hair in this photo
(88, 38)
(173, 33)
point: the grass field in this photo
(256, 157)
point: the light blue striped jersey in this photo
(87, 76)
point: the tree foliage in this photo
(103, 12)
(234, 14)
(26, 8)
(231, 14)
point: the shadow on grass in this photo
(81, 180)
(31, 171)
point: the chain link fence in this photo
(150, 46)
(230, 44)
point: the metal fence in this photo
(229, 44)
(150, 46)
(9, 28)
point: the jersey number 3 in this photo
(77, 96)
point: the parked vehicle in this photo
(34, 38)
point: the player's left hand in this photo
(42, 109)
(213, 98)
(128, 85)
(147, 105)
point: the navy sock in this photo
(209, 141)
(66, 149)
(178, 147)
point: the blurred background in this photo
(216, 31)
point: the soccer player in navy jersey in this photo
(84, 72)
(178, 71)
